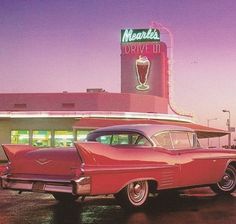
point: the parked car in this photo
(128, 161)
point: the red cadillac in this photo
(128, 161)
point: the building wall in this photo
(157, 76)
(123, 102)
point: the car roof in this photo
(145, 129)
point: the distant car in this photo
(128, 161)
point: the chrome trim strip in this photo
(29, 186)
(16, 185)
(81, 186)
(216, 158)
(54, 188)
(43, 161)
(109, 169)
(46, 188)
(36, 179)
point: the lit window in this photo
(63, 138)
(41, 138)
(82, 134)
(20, 137)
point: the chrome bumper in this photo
(81, 186)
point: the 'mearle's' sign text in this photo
(140, 35)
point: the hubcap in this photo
(137, 192)
(137, 188)
(228, 181)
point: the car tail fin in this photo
(12, 150)
(94, 153)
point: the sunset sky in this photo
(55, 46)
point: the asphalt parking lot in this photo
(191, 206)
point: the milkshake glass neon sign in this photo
(140, 35)
(142, 71)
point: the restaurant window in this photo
(82, 134)
(20, 136)
(63, 138)
(41, 138)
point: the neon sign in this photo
(140, 35)
(142, 71)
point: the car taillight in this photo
(4, 169)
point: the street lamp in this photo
(208, 124)
(228, 124)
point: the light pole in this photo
(208, 124)
(229, 129)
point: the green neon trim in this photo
(140, 35)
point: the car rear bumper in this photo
(80, 186)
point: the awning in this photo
(94, 123)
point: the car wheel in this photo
(227, 184)
(65, 197)
(134, 195)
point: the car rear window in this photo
(121, 138)
(180, 140)
(176, 140)
(163, 140)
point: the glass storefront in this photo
(20, 137)
(82, 134)
(48, 138)
(41, 138)
(63, 138)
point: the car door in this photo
(169, 177)
(196, 164)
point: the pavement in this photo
(193, 206)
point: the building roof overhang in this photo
(202, 131)
(92, 114)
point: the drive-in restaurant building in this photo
(59, 119)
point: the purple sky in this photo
(55, 46)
